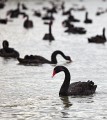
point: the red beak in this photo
(53, 73)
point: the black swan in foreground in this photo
(49, 36)
(76, 88)
(35, 59)
(8, 52)
(98, 38)
(87, 20)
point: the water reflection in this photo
(6, 60)
(66, 105)
(65, 101)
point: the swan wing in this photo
(81, 88)
(41, 59)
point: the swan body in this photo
(75, 30)
(36, 59)
(76, 88)
(48, 36)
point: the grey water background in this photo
(29, 92)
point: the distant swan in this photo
(87, 20)
(27, 23)
(8, 52)
(49, 36)
(98, 38)
(75, 30)
(76, 88)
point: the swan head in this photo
(5, 44)
(56, 70)
(68, 58)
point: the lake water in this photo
(29, 92)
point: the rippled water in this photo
(29, 92)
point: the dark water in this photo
(29, 92)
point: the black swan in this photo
(75, 30)
(87, 20)
(98, 38)
(14, 13)
(37, 13)
(49, 36)
(35, 59)
(27, 23)
(76, 88)
(8, 52)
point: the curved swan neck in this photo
(54, 54)
(64, 88)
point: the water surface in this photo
(29, 92)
